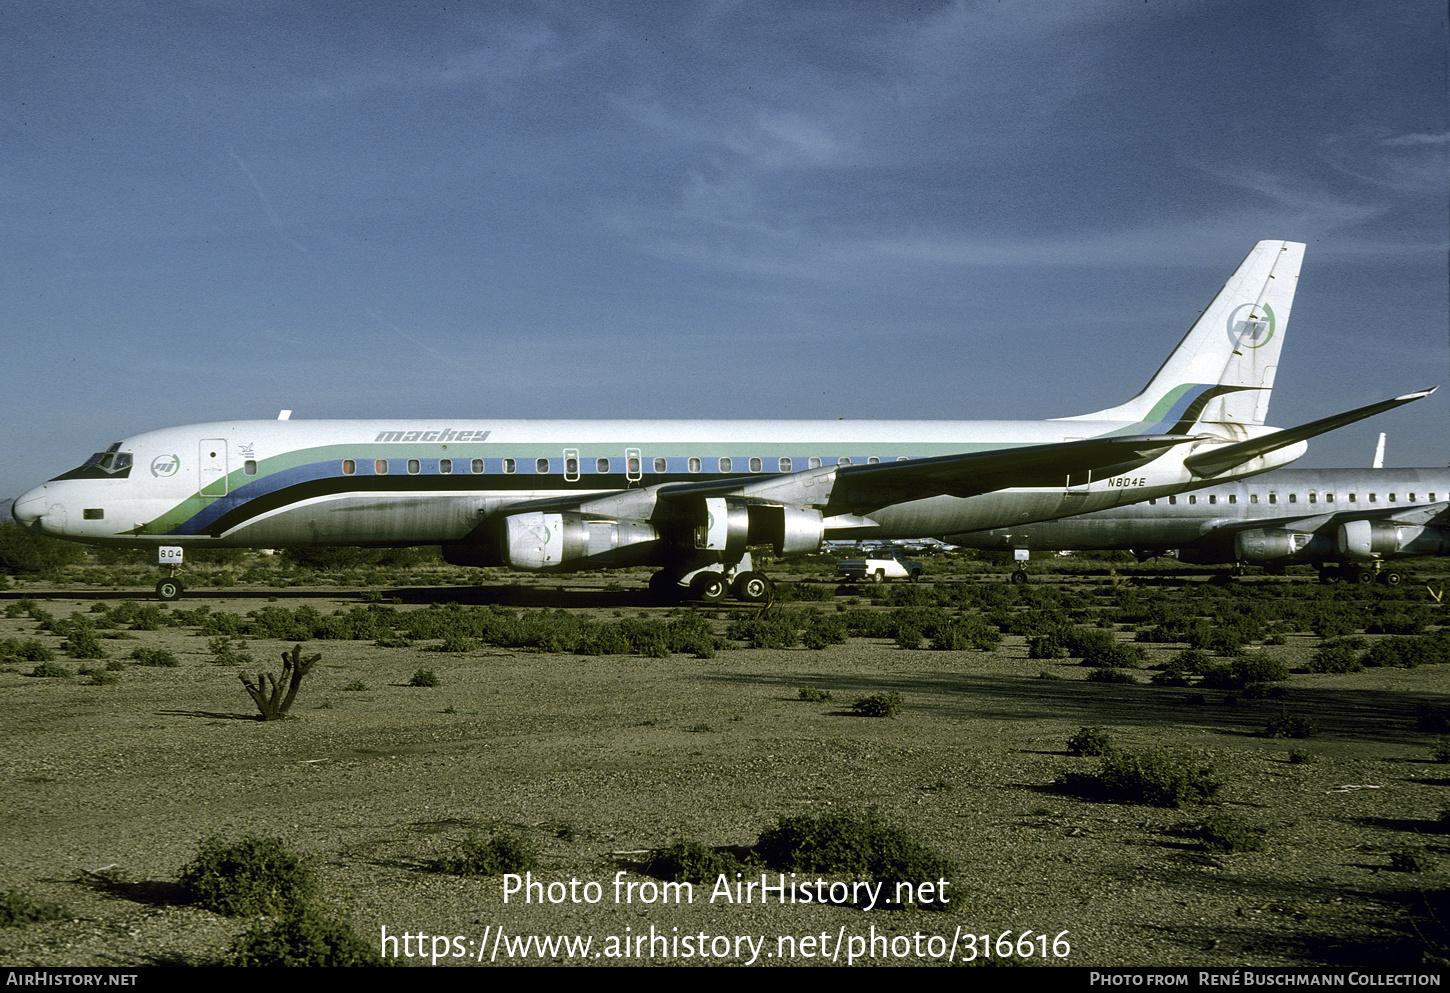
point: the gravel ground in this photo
(601, 759)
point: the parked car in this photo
(879, 566)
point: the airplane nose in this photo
(29, 508)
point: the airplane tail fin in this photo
(1222, 371)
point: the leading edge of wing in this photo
(862, 488)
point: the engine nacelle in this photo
(570, 540)
(731, 524)
(1270, 544)
(1369, 540)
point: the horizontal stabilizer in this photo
(1221, 458)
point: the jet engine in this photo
(1369, 540)
(730, 524)
(1274, 545)
(570, 540)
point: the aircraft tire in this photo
(709, 587)
(1019, 578)
(169, 589)
(1364, 576)
(1392, 578)
(752, 587)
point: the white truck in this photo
(878, 566)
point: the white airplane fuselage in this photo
(279, 483)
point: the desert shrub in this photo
(1090, 741)
(81, 641)
(305, 937)
(1150, 778)
(154, 656)
(966, 633)
(823, 630)
(223, 652)
(692, 862)
(847, 844)
(1287, 725)
(908, 637)
(18, 907)
(776, 629)
(1335, 656)
(252, 876)
(500, 854)
(1047, 645)
(1259, 669)
(424, 677)
(30, 650)
(812, 695)
(50, 670)
(1222, 831)
(1110, 676)
(877, 705)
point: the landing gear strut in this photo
(169, 558)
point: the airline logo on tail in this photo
(1253, 331)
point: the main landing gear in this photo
(713, 583)
(1363, 575)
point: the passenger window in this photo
(249, 467)
(755, 465)
(1193, 499)
(571, 467)
(1273, 498)
(1253, 498)
(1233, 498)
(1293, 498)
(476, 466)
(814, 462)
(1173, 499)
(1212, 498)
(785, 465)
(414, 467)
(1373, 498)
(1313, 497)
(601, 466)
(843, 460)
(509, 465)
(661, 465)
(1354, 498)
(348, 467)
(694, 465)
(381, 467)
(445, 467)
(725, 465)
(633, 466)
(541, 466)
(873, 460)
(1392, 498)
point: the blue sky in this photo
(215, 210)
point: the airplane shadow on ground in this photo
(1375, 715)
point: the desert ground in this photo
(108, 790)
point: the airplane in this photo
(1347, 522)
(691, 497)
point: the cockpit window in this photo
(103, 465)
